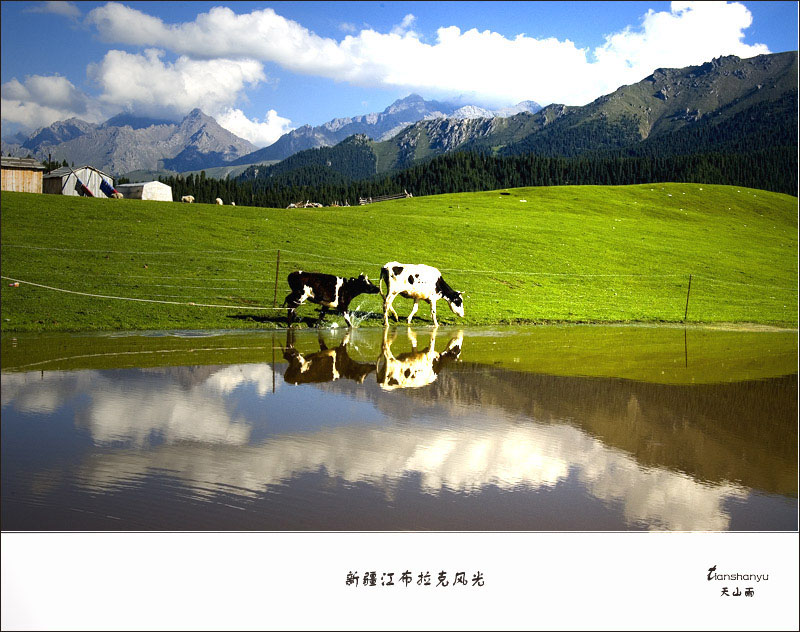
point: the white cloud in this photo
(66, 9)
(691, 33)
(260, 133)
(40, 100)
(221, 54)
(147, 84)
(486, 64)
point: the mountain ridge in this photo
(130, 143)
(377, 125)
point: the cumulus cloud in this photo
(147, 84)
(260, 133)
(40, 100)
(211, 62)
(486, 64)
(65, 9)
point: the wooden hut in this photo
(154, 190)
(64, 181)
(21, 174)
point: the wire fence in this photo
(235, 283)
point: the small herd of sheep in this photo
(189, 199)
(308, 204)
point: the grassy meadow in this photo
(531, 255)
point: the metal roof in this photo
(65, 171)
(141, 184)
(22, 163)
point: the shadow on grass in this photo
(312, 321)
(278, 321)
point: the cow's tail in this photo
(384, 278)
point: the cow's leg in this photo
(293, 301)
(433, 311)
(346, 315)
(387, 307)
(413, 338)
(413, 310)
(322, 312)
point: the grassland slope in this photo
(545, 254)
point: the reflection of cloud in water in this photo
(42, 393)
(205, 445)
(145, 404)
(466, 460)
(230, 378)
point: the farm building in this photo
(66, 181)
(22, 174)
(146, 191)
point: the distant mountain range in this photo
(127, 143)
(725, 105)
(378, 126)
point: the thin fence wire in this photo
(295, 261)
(360, 262)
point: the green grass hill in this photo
(532, 255)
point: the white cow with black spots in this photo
(417, 368)
(418, 282)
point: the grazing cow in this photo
(189, 199)
(326, 365)
(219, 201)
(326, 290)
(415, 369)
(418, 282)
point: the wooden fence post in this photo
(277, 268)
(686, 313)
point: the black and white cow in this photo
(326, 365)
(327, 290)
(418, 368)
(418, 282)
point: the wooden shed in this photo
(64, 181)
(22, 174)
(154, 190)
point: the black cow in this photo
(326, 365)
(326, 290)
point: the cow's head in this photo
(362, 285)
(457, 304)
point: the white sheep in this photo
(117, 195)
(189, 199)
(219, 201)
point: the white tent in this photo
(64, 181)
(146, 191)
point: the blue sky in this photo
(264, 68)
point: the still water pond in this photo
(544, 428)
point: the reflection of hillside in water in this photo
(744, 432)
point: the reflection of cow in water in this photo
(326, 365)
(417, 368)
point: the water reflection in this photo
(326, 365)
(415, 368)
(436, 438)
